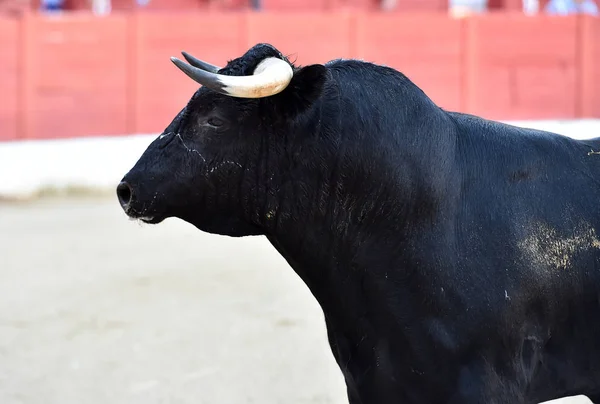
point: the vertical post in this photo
(354, 33)
(469, 71)
(244, 30)
(131, 82)
(585, 84)
(26, 77)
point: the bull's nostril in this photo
(124, 194)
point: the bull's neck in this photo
(359, 186)
(331, 228)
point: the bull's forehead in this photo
(204, 97)
(198, 98)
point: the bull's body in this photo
(456, 260)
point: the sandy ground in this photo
(97, 309)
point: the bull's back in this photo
(532, 197)
(529, 215)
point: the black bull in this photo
(456, 259)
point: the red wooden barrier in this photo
(515, 74)
(77, 82)
(589, 80)
(592, 108)
(76, 75)
(433, 61)
(9, 78)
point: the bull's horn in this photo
(200, 63)
(271, 76)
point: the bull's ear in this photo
(305, 88)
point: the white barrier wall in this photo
(29, 167)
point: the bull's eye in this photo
(215, 122)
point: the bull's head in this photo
(225, 159)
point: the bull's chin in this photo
(147, 218)
(151, 219)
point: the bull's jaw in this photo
(223, 225)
